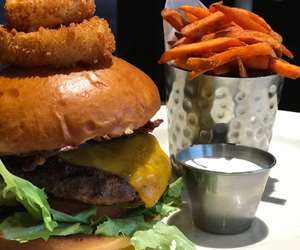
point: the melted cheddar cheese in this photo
(138, 158)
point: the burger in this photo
(80, 169)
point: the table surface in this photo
(277, 225)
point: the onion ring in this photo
(90, 42)
(29, 15)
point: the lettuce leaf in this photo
(21, 227)
(150, 234)
(86, 217)
(161, 236)
(169, 203)
(72, 229)
(125, 226)
(146, 235)
(42, 222)
(31, 197)
(174, 191)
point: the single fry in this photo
(223, 32)
(222, 70)
(246, 19)
(194, 74)
(181, 63)
(242, 69)
(212, 8)
(173, 18)
(202, 65)
(251, 15)
(277, 36)
(191, 18)
(284, 68)
(207, 54)
(250, 37)
(287, 52)
(197, 49)
(204, 26)
(182, 41)
(199, 12)
(258, 62)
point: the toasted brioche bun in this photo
(70, 243)
(42, 110)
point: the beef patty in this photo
(77, 183)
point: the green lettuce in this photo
(151, 234)
(40, 221)
(170, 201)
(86, 217)
(161, 236)
(143, 225)
(146, 235)
(125, 226)
(30, 196)
(136, 220)
(21, 227)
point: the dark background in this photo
(138, 28)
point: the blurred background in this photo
(139, 33)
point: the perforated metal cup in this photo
(211, 109)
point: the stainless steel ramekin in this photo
(224, 203)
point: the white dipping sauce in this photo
(223, 165)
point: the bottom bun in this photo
(70, 243)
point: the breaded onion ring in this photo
(29, 15)
(90, 42)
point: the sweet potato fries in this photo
(222, 40)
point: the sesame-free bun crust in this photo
(70, 243)
(42, 110)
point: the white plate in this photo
(277, 226)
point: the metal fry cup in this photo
(221, 202)
(212, 109)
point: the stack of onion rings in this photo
(84, 41)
